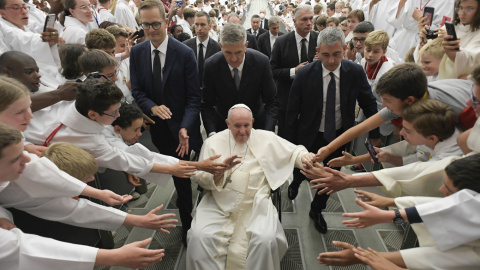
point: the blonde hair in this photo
(409, 56)
(340, 4)
(377, 37)
(433, 48)
(10, 91)
(336, 21)
(71, 159)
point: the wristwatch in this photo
(398, 220)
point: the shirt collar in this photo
(326, 72)
(240, 68)
(162, 48)
(299, 38)
(205, 42)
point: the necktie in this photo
(255, 33)
(330, 129)
(236, 78)
(157, 77)
(201, 62)
(303, 52)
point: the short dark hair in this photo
(95, 60)
(364, 27)
(172, 30)
(149, 4)
(331, 6)
(8, 136)
(128, 114)
(463, 173)
(96, 95)
(189, 13)
(183, 36)
(402, 81)
(69, 59)
(203, 13)
(255, 16)
(100, 39)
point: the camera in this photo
(431, 34)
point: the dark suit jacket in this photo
(180, 87)
(264, 43)
(305, 104)
(252, 42)
(260, 31)
(265, 24)
(257, 91)
(212, 48)
(284, 57)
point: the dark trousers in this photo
(281, 123)
(163, 139)
(319, 201)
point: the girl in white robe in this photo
(75, 17)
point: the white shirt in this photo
(272, 40)
(326, 81)
(105, 15)
(124, 15)
(74, 31)
(298, 40)
(205, 43)
(163, 52)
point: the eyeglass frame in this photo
(361, 40)
(467, 10)
(16, 7)
(114, 114)
(474, 103)
(151, 24)
(83, 8)
(98, 75)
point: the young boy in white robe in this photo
(429, 57)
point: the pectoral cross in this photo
(228, 180)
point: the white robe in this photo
(467, 59)
(28, 251)
(105, 15)
(85, 133)
(237, 227)
(124, 15)
(74, 31)
(378, 15)
(406, 35)
(138, 149)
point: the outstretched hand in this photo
(343, 257)
(371, 215)
(157, 222)
(374, 199)
(374, 259)
(209, 165)
(347, 159)
(131, 255)
(112, 198)
(308, 159)
(315, 172)
(338, 181)
(182, 170)
(6, 224)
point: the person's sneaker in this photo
(357, 168)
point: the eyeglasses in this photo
(111, 75)
(475, 102)
(361, 40)
(154, 25)
(114, 114)
(98, 75)
(83, 8)
(18, 8)
(467, 10)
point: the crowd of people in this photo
(82, 79)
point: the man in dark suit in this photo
(255, 30)
(252, 40)
(164, 78)
(263, 20)
(267, 40)
(322, 105)
(238, 75)
(291, 52)
(202, 42)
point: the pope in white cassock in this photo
(236, 225)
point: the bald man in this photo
(23, 67)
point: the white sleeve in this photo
(42, 178)
(454, 216)
(4, 213)
(28, 251)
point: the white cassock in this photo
(124, 15)
(467, 59)
(378, 15)
(85, 133)
(406, 35)
(236, 225)
(123, 75)
(74, 31)
(139, 149)
(105, 15)
(27, 251)
(387, 128)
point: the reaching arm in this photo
(339, 181)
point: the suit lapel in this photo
(312, 44)
(269, 47)
(194, 47)
(247, 65)
(208, 53)
(318, 85)
(226, 74)
(169, 61)
(292, 46)
(344, 86)
(147, 65)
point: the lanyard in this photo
(421, 8)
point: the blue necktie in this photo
(330, 129)
(157, 77)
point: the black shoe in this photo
(292, 191)
(318, 221)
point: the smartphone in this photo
(140, 33)
(371, 150)
(428, 12)
(445, 19)
(179, 3)
(451, 30)
(49, 22)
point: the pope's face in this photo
(240, 123)
(12, 162)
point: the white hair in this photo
(232, 33)
(331, 35)
(302, 7)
